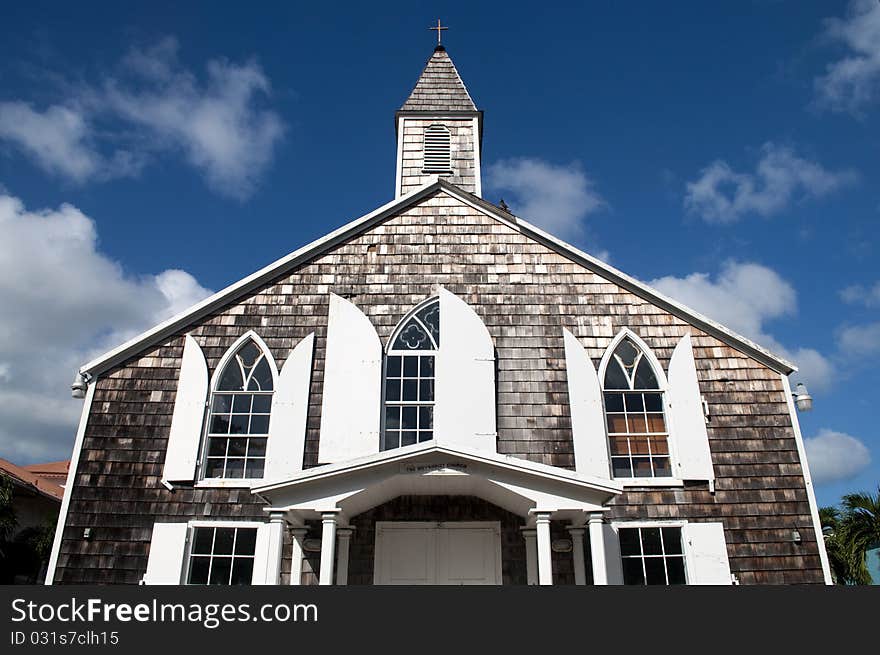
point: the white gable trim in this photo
(410, 452)
(71, 478)
(808, 480)
(313, 249)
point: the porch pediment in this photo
(517, 485)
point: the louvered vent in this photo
(438, 150)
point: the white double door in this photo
(448, 553)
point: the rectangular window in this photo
(237, 434)
(652, 556)
(409, 400)
(637, 434)
(222, 556)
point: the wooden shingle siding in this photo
(462, 142)
(525, 293)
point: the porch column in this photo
(577, 554)
(530, 536)
(328, 547)
(597, 549)
(344, 535)
(276, 541)
(296, 561)
(545, 557)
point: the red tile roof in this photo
(46, 479)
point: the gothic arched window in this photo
(637, 433)
(438, 149)
(238, 424)
(409, 378)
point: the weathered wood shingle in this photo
(525, 293)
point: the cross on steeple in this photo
(438, 29)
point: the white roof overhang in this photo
(517, 485)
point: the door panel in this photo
(467, 556)
(408, 556)
(413, 553)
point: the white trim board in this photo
(808, 480)
(307, 252)
(71, 477)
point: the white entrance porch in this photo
(407, 552)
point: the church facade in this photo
(438, 393)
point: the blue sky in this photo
(727, 152)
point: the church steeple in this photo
(439, 130)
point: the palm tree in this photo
(829, 517)
(859, 531)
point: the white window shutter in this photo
(352, 395)
(464, 406)
(706, 554)
(613, 563)
(290, 409)
(687, 418)
(167, 554)
(261, 555)
(587, 412)
(182, 452)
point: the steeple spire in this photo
(439, 129)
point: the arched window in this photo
(409, 378)
(438, 149)
(637, 433)
(238, 424)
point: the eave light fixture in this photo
(802, 398)
(79, 386)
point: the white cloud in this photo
(744, 296)
(155, 105)
(556, 198)
(218, 123)
(722, 195)
(859, 341)
(853, 82)
(56, 138)
(66, 302)
(835, 456)
(858, 294)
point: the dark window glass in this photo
(198, 572)
(672, 541)
(645, 378)
(614, 376)
(203, 540)
(651, 544)
(221, 567)
(242, 571)
(655, 571)
(613, 402)
(632, 571)
(223, 540)
(675, 570)
(629, 541)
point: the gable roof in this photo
(440, 88)
(359, 225)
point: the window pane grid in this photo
(409, 400)
(652, 556)
(637, 434)
(228, 560)
(237, 434)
